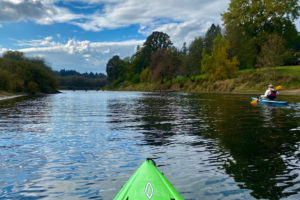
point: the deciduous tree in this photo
(163, 65)
(249, 23)
(116, 69)
(218, 66)
(274, 52)
(156, 41)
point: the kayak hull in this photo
(265, 101)
(148, 183)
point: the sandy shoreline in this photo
(295, 92)
(5, 96)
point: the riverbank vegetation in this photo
(21, 74)
(245, 81)
(258, 36)
(258, 45)
(73, 80)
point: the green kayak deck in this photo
(148, 183)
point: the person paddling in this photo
(270, 93)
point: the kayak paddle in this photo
(278, 87)
(254, 102)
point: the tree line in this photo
(256, 34)
(21, 74)
(31, 75)
(71, 79)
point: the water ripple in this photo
(85, 145)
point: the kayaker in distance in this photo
(269, 97)
(270, 93)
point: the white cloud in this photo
(180, 19)
(184, 32)
(2, 50)
(82, 56)
(157, 14)
(42, 12)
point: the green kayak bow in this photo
(148, 183)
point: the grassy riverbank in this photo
(246, 81)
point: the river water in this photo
(86, 145)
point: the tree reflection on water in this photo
(262, 142)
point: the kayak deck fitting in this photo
(266, 101)
(148, 183)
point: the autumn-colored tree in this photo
(218, 66)
(163, 65)
(146, 75)
(156, 41)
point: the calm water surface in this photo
(85, 145)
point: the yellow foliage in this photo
(145, 75)
(218, 66)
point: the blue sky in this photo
(84, 34)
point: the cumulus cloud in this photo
(82, 56)
(175, 17)
(2, 50)
(180, 19)
(42, 12)
(184, 32)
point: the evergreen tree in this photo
(195, 57)
(210, 35)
